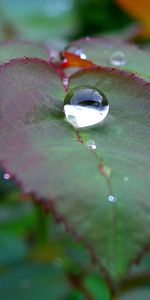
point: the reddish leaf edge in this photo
(134, 76)
(46, 48)
(55, 67)
(49, 207)
(146, 84)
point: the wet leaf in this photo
(106, 51)
(41, 149)
(97, 287)
(16, 49)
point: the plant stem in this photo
(135, 281)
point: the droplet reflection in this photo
(85, 106)
(77, 51)
(118, 59)
(112, 198)
(91, 145)
(6, 176)
(65, 82)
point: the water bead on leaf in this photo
(65, 82)
(118, 59)
(126, 178)
(6, 176)
(77, 51)
(85, 106)
(112, 198)
(91, 145)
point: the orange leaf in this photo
(73, 60)
(140, 10)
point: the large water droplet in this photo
(77, 51)
(85, 106)
(118, 59)
(112, 198)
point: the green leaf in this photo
(100, 51)
(34, 282)
(97, 287)
(12, 249)
(41, 149)
(75, 295)
(16, 49)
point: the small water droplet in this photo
(65, 81)
(118, 59)
(85, 106)
(112, 198)
(6, 176)
(126, 178)
(77, 51)
(91, 145)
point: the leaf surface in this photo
(39, 147)
(101, 50)
(14, 49)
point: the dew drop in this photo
(112, 198)
(6, 176)
(65, 81)
(126, 178)
(77, 51)
(91, 145)
(85, 106)
(118, 59)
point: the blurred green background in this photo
(38, 259)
